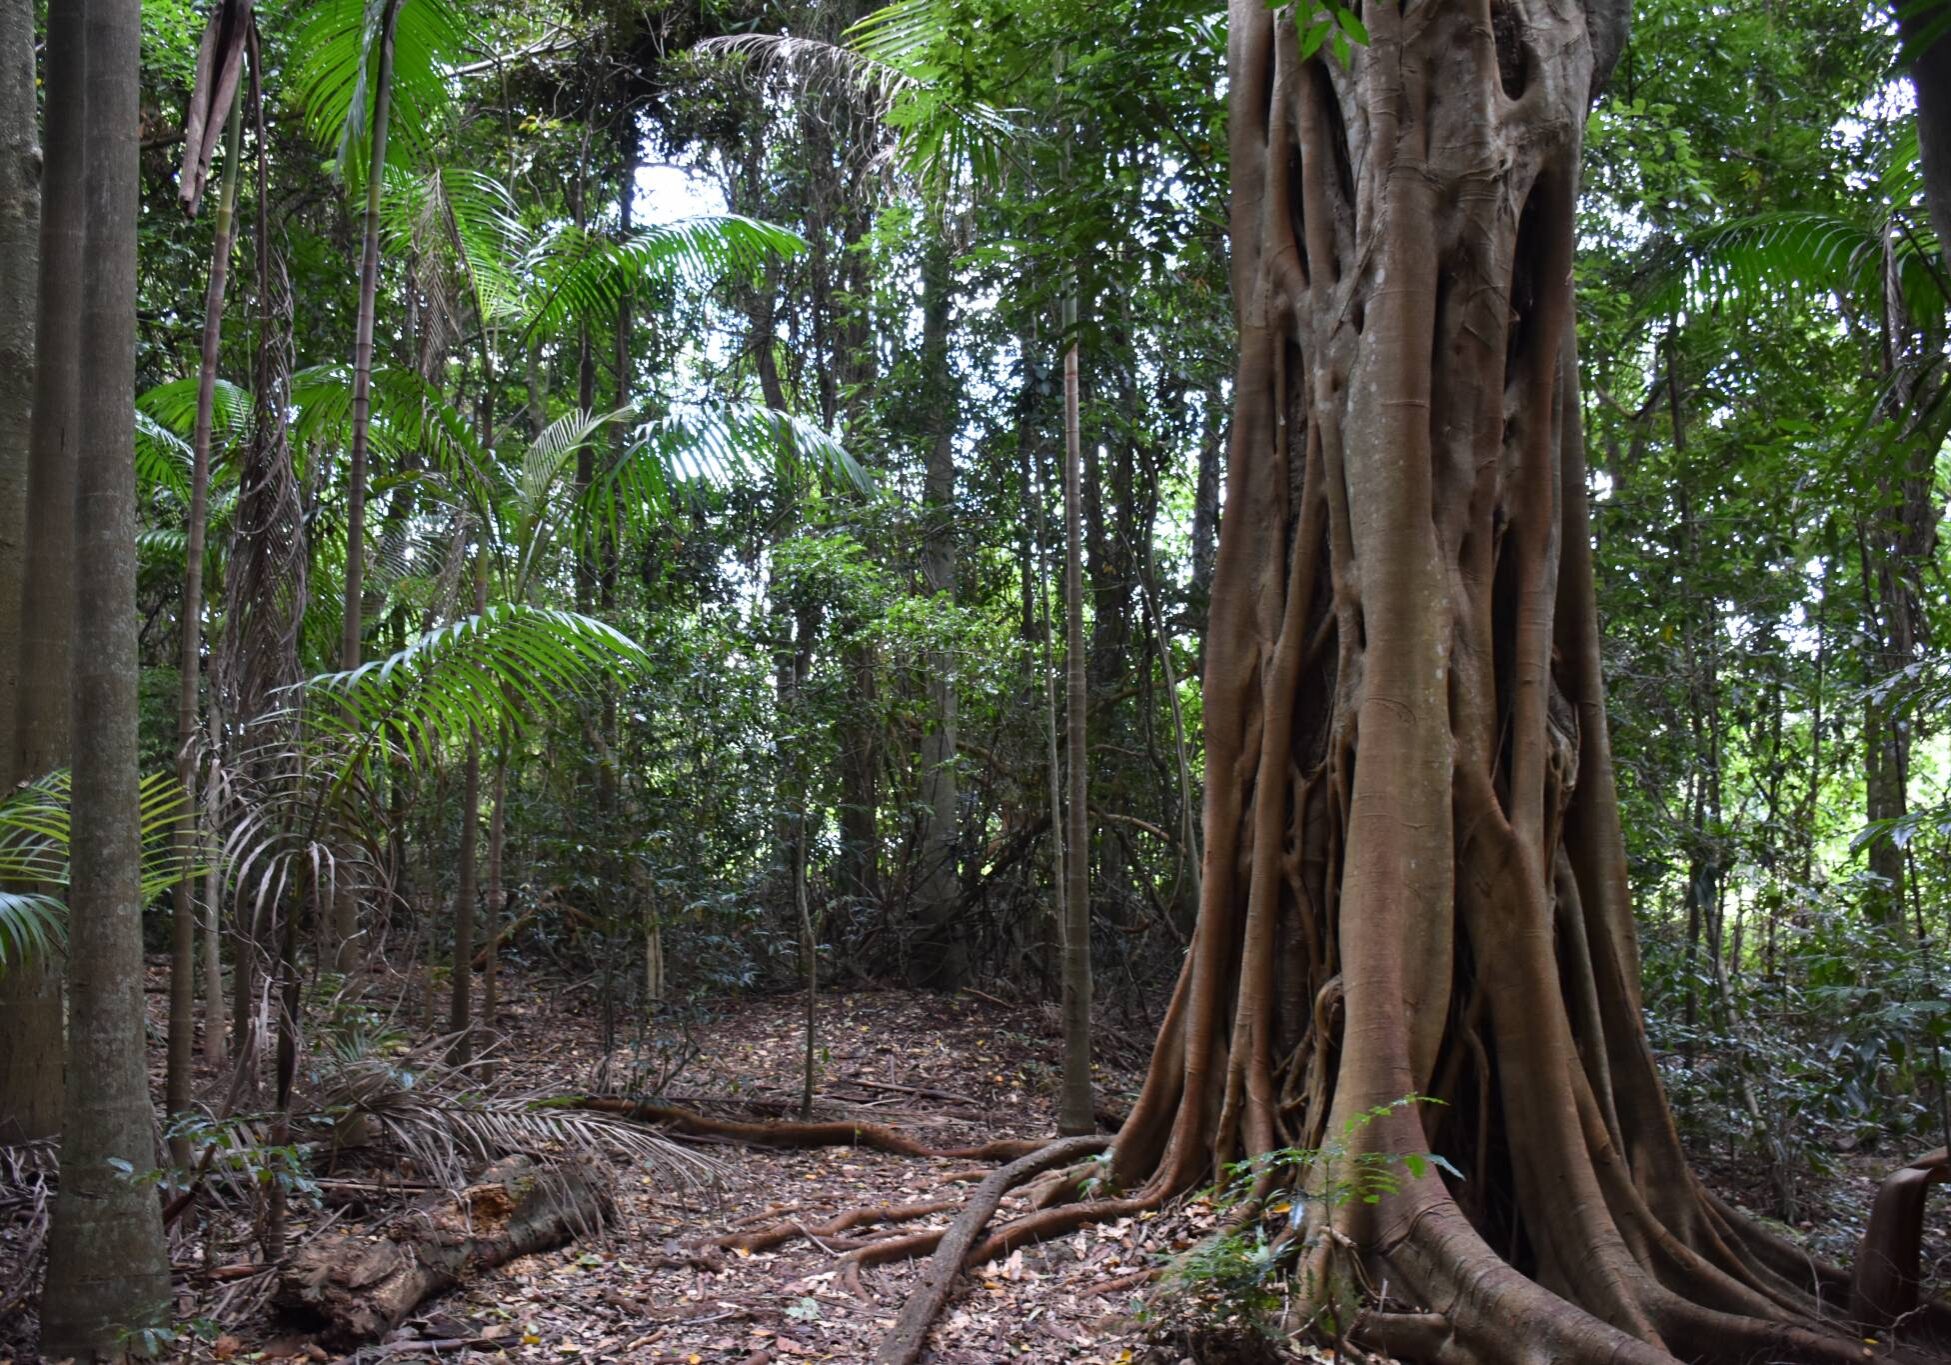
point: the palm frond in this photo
(32, 924)
(35, 852)
(173, 404)
(437, 1116)
(579, 274)
(1755, 261)
(892, 61)
(336, 66)
(472, 677)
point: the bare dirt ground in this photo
(948, 1070)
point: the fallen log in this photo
(358, 1288)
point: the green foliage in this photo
(334, 77)
(477, 676)
(35, 853)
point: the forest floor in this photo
(946, 1069)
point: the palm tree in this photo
(355, 55)
(30, 998)
(107, 1270)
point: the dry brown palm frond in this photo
(27, 1174)
(440, 1119)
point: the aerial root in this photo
(781, 1133)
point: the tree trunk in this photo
(1075, 1110)
(1415, 878)
(20, 217)
(1205, 512)
(345, 903)
(30, 1020)
(30, 996)
(182, 961)
(107, 1271)
(940, 955)
(459, 1011)
(1930, 75)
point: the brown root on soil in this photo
(360, 1289)
(819, 1133)
(903, 1343)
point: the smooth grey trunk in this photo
(1053, 763)
(182, 960)
(1076, 1113)
(345, 904)
(30, 997)
(940, 955)
(107, 1270)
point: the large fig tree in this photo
(1415, 882)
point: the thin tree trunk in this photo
(459, 1013)
(107, 1271)
(213, 965)
(940, 954)
(345, 902)
(182, 961)
(1076, 1112)
(497, 898)
(30, 997)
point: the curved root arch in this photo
(1415, 879)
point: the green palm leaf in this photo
(578, 274)
(1754, 262)
(338, 53)
(475, 676)
(735, 443)
(34, 852)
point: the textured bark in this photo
(360, 1289)
(30, 997)
(30, 1020)
(1415, 881)
(1930, 74)
(940, 955)
(20, 218)
(107, 1272)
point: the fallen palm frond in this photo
(26, 1195)
(439, 1118)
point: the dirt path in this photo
(949, 1070)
